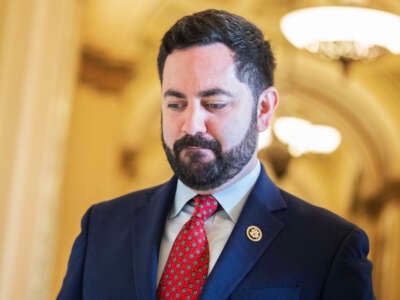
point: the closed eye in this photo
(176, 105)
(215, 106)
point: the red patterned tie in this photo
(187, 266)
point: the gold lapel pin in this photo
(254, 233)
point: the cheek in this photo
(227, 134)
(231, 131)
(170, 130)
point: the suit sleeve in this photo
(350, 275)
(72, 284)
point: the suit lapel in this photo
(240, 253)
(148, 227)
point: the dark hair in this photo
(254, 59)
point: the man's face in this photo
(208, 116)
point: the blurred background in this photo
(80, 123)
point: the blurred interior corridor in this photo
(80, 123)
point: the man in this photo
(219, 229)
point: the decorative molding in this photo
(128, 162)
(375, 204)
(103, 72)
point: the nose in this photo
(195, 121)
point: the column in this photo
(39, 48)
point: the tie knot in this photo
(205, 206)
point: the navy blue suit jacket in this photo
(306, 252)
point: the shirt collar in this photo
(231, 198)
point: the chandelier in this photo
(343, 33)
(301, 136)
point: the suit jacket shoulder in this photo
(307, 214)
(131, 200)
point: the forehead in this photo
(208, 63)
(210, 52)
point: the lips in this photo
(196, 143)
(197, 148)
(194, 150)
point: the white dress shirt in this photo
(218, 227)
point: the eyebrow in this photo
(206, 93)
(173, 93)
(214, 92)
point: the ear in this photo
(267, 102)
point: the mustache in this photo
(196, 141)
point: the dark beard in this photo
(204, 176)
